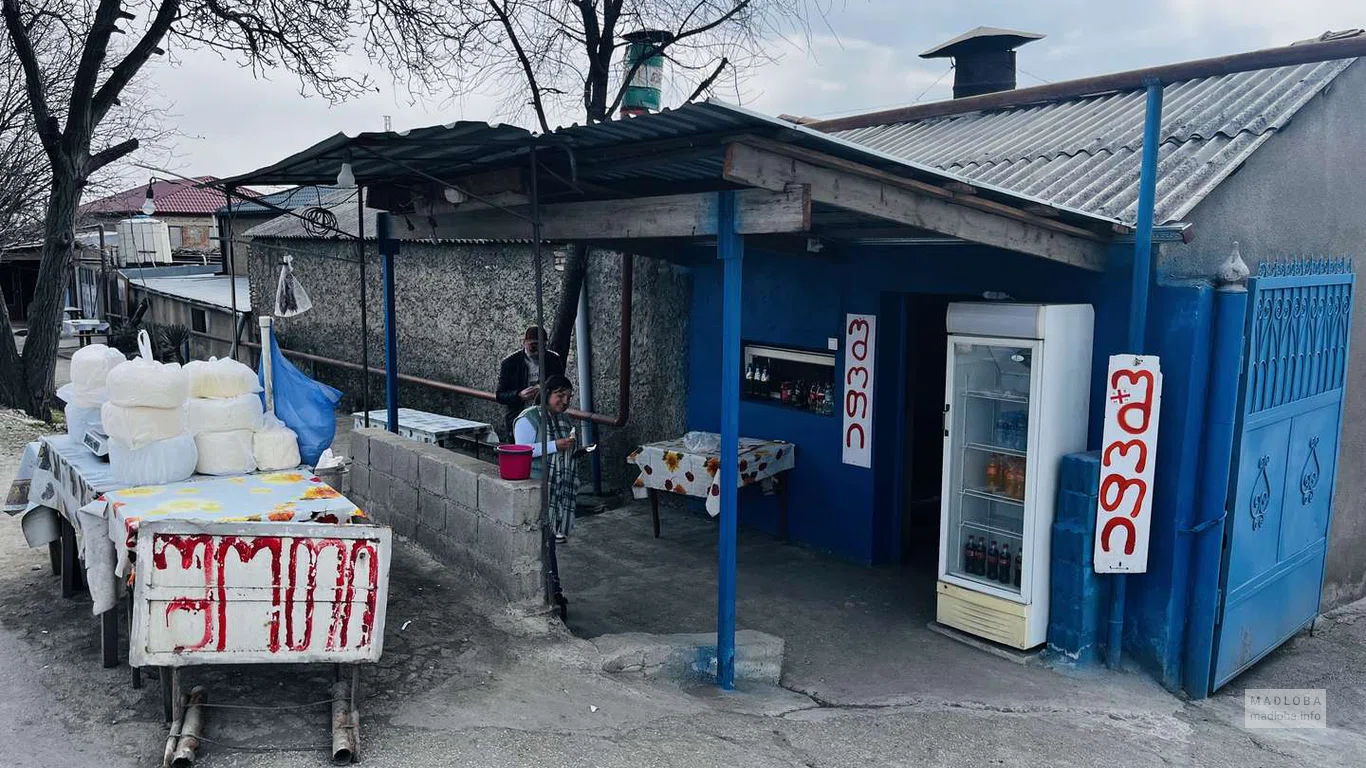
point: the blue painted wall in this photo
(801, 301)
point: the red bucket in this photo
(514, 462)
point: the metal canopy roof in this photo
(620, 154)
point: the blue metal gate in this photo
(1285, 461)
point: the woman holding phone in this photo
(554, 426)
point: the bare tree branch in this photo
(526, 63)
(133, 63)
(705, 84)
(43, 121)
(111, 154)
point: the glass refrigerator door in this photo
(987, 461)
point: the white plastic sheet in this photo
(143, 382)
(225, 415)
(79, 419)
(165, 461)
(276, 447)
(225, 453)
(136, 427)
(220, 378)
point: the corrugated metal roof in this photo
(1084, 153)
(296, 199)
(209, 290)
(447, 152)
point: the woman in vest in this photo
(557, 430)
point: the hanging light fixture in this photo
(149, 205)
(347, 177)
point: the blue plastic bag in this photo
(306, 406)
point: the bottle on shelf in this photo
(1019, 568)
(979, 558)
(993, 569)
(749, 379)
(1014, 478)
(994, 474)
(970, 555)
(1003, 564)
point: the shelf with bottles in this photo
(799, 379)
(1002, 478)
(990, 555)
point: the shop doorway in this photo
(925, 340)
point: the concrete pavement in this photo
(464, 684)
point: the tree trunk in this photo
(567, 310)
(45, 311)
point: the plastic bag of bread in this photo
(276, 446)
(80, 419)
(90, 367)
(136, 426)
(143, 382)
(225, 453)
(220, 378)
(208, 414)
(165, 461)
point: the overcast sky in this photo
(867, 58)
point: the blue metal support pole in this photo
(1207, 535)
(1138, 312)
(730, 249)
(388, 248)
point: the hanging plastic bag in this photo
(144, 382)
(220, 378)
(290, 297)
(306, 406)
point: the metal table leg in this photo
(54, 553)
(654, 509)
(782, 504)
(69, 559)
(109, 637)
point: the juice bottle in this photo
(994, 474)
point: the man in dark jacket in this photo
(520, 376)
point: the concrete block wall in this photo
(454, 506)
(1077, 595)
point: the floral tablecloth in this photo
(668, 466)
(291, 496)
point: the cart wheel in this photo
(164, 675)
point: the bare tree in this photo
(558, 61)
(77, 67)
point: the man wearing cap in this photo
(520, 376)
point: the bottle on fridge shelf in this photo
(970, 555)
(1019, 568)
(1003, 564)
(994, 474)
(993, 569)
(979, 557)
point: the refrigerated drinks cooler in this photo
(1017, 393)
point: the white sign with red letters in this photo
(860, 338)
(1133, 399)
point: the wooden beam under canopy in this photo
(886, 196)
(758, 211)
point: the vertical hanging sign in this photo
(860, 339)
(1133, 399)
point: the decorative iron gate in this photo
(1285, 461)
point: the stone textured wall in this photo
(462, 308)
(455, 507)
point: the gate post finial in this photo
(1233, 272)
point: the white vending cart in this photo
(1016, 401)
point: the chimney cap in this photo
(982, 39)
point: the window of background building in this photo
(199, 321)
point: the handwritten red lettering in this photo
(1110, 502)
(1123, 449)
(1111, 525)
(849, 377)
(1144, 407)
(849, 436)
(859, 347)
(853, 400)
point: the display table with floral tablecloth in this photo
(669, 467)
